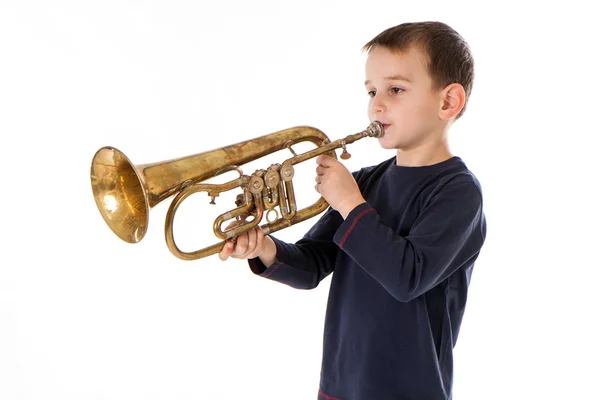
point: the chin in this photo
(386, 144)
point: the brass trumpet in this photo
(125, 192)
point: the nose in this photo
(377, 104)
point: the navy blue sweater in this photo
(401, 264)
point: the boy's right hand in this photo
(247, 245)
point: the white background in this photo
(84, 315)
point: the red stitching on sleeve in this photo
(327, 397)
(354, 221)
(273, 268)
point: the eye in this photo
(397, 90)
(371, 93)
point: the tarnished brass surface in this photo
(125, 192)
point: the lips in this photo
(385, 125)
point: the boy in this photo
(400, 237)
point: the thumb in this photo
(226, 251)
(325, 160)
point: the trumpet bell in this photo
(119, 192)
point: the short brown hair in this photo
(448, 55)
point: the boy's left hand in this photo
(337, 185)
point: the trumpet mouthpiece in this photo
(375, 129)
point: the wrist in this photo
(350, 204)
(268, 254)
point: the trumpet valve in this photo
(272, 178)
(286, 172)
(256, 184)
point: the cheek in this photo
(419, 105)
(370, 110)
(429, 107)
(420, 116)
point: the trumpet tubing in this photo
(125, 192)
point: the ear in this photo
(452, 101)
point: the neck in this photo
(426, 155)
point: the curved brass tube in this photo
(125, 193)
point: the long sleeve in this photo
(307, 262)
(447, 234)
(311, 259)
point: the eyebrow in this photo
(392, 78)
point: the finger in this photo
(241, 244)
(231, 224)
(226, 251)
(322, 160)
(251, 243)
(260, 236)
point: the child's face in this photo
(402, 98)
